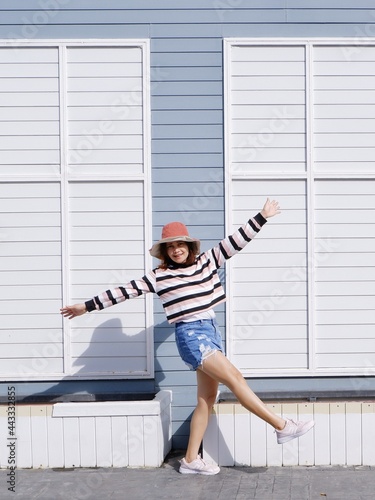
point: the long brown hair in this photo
(166, 261)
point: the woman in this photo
(188, 285)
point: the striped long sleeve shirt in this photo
(185, 290)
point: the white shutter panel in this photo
(74, 198)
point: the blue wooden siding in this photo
(187, 121)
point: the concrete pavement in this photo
(232, 483)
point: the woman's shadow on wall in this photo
(119, 359)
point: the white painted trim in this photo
(74, 42)
(227, 188)
(310, 190)
(64, 203)
(147, 200)
(352, 41)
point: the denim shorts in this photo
(196, 340)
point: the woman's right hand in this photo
(71, 312)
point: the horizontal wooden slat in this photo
(270, 346)
(30, 263)
(21, 70)
(344, 68)
(92, 69)
(265, 68)
(327, 346)
(277, 318)
(109, 366)
(252, 331)
(274, 302)
(345, 332)
(348, 316)
(122, 247)
(276, 361)
(337, 82)
(356, 274)
(341, 52)
(108, 334)
(267, 54)
(35, 367)
(117, 111)
(38, 337)
(340, 302)
(31, 350)
(35, 292)
(105, 55)
(350, 360)
(109, 350)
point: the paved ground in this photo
(233, 483)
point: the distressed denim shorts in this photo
(196, 340)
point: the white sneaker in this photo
(293, 430)
(198, 466)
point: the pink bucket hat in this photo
(174, 231)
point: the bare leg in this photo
(207, 391)
(219, 368)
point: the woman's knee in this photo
(207, 398)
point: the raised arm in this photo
(233, 244)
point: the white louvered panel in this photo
(108, 213)
(345, 298)
(31, 265)
(267, 100)
(99, 113)
(102, 88)
(343, 109)
(29, 103)
(268, 280)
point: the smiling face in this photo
(178, 251)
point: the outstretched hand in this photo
(71, 312)
(270, 208)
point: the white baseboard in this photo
(344, 434)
